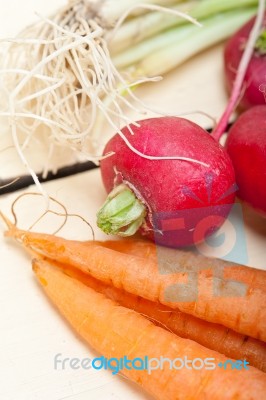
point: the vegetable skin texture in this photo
(246, 145)
(116, 331)
(213, 336)
(254, 84)
(172, 188)
(245, 314)
(146, 249)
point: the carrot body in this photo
(191, 291)
(213, 336)
(135, 247)
(116, 331)
(142, 248)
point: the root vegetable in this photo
(180, 281)
(213, 336)
(116, 331)
(171, 201)
(149, 193)
(254, 85)
(246, 145)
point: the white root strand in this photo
(59, 78)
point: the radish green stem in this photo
(122, 213)
(222, 124)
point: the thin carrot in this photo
(213, 336)
(191, 291)
(116, 331)
(143, 248)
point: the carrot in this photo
(143, 248)
(116, 331)
(136, 247)
(212, 336)
(191, 291)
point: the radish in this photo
(169, 178)
(180, 201)
(246, 145)
(255, 78)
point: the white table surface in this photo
(32, 332)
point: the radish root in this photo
(65, 214)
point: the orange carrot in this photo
(142, 248)
(136, 247)
(116, 331)
(191, 291)
(212, 336)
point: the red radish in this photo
(255, 77)
(180, 199)
(246, 145)
(180, 202)
(256, 33)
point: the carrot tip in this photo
(12, 230)
(8, 223)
